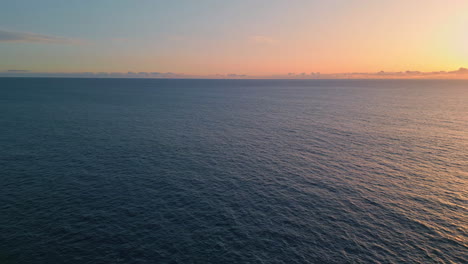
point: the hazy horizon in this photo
(461, 73)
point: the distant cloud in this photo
(17, 71)
(460, 71)
(258, 39)
(23, 37)
(233, 75)
(130, 74)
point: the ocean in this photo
(233, 171)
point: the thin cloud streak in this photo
(26, 37)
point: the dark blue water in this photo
(233, 171)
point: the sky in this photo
(242, 38)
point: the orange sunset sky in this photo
(242, 38)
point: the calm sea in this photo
(233, 171)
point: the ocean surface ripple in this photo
(233, 171)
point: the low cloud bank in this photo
(26, 73)
(461, 73)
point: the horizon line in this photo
(461, 73)
(239, 79)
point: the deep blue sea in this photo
(233, 171)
